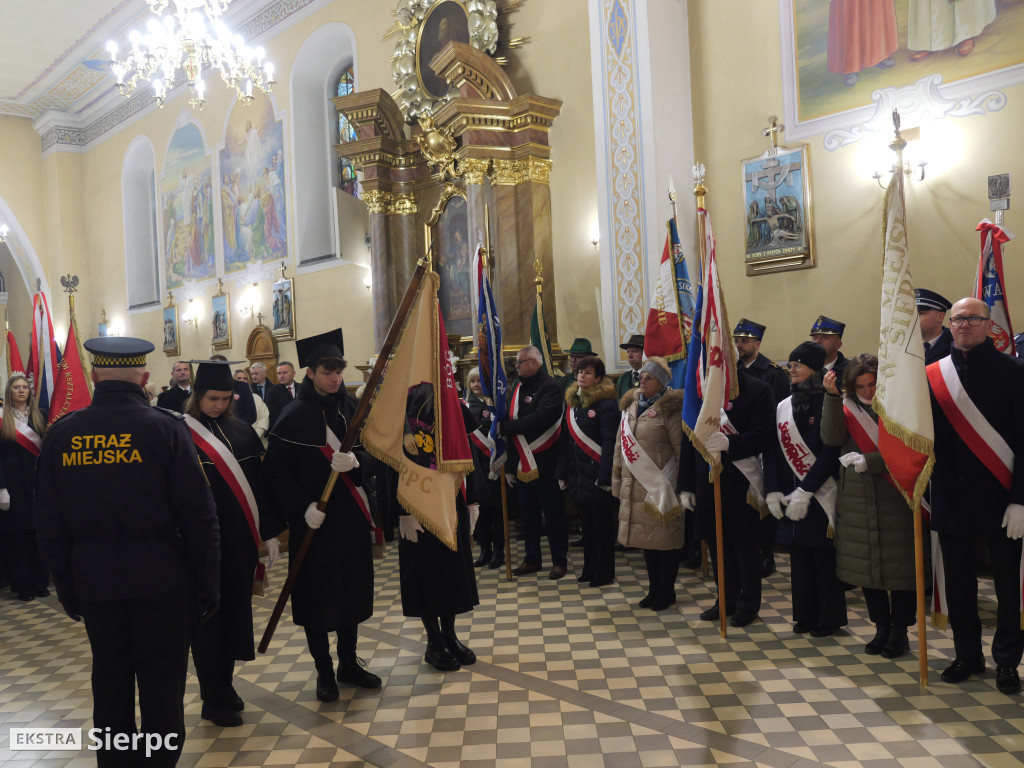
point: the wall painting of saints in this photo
(186, 205)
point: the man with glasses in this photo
(931, 312)
(977, 396)
(532, 429)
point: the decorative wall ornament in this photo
(509, 172)
(377, 201)
(777, 209)
(921, 102)
(474, 171)
(539, 170)
(438, 146)
(283, 308)
(221, 320)
(171, 346)
(403, 205)
(424, 27)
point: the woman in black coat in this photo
(227, 636)
(25, 570)
(490, 528)
(819, 601)
(586, 453)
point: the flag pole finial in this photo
(699, 190)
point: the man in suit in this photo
(283, 392)
(634, 349)
(173, 398)
(931, 313)
(260, 385)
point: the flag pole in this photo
(485, 257)
(700, 192)
(351, 433)
(897, 145)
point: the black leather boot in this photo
(484, 559)
(353, 671)
(326, 685)
(461, 652)
(438, 656)
(878, 642)
(898, 643)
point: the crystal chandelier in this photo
(185, 40)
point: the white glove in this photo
(1013, 521)
(474, 515)
(774, 500)
(797, 504)
(343, 462)
(717, 442)
(409, 528)
(855, 460)
(562, 485)
(510, 479)
(5, 499)
(687, 500)
(273, 546)
(314, 517)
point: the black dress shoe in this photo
(664, 600)
(712, 614)
(484, 559)
(585, 576)
(556, 572)
(234, 700)
(224, 714)
(496, 562)
(42, 592)
(1007, 680)
(354, 672)
(440, 658)
(326, 686)
(822, 631)
(961, 669)
(801, 628)
(461, 652)
(601, 582)
(646, 601)
(526, 568)
(576, 542)
(767, 566)
(741, 618)
(877, 643)
(693, 562)
(897, 644)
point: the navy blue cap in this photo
(931, 300)
(312, 349)
(118, 351)
(749, 328)
(827, 326)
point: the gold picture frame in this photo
(221, 318)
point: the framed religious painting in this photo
(221, 321)
(170, 314)
(453, 260)
(283, 309)
(777, 211)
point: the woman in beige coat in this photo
(649, 513)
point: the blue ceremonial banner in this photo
(492, 366)
(691, 390)
(687, 305)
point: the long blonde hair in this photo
(8, 430)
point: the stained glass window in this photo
(347, 180)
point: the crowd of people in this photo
(151, 521)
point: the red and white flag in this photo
(906, 435)
(990, 283)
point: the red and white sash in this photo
(482, 440)
(25, 435)
(527, 469)
(800, 458)
(969, 423)
(231, 471)
(662, 502)
(750, 468)
(588, 446)
(356, 491)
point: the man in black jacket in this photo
(126, 523)
(978, 489)
(532, 429)
(931, 312)
(828, 333)
(173, 399)
(283, 392)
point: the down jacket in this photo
(597, 415)
(659, 431)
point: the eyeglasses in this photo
(972, 320)
(523, 362)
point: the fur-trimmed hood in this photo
(669, 403)
(602, 390)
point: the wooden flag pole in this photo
(354, 425)
(897, 145)
(700, 192)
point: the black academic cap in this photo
(312, 349)
(214, 374)
(118, 351)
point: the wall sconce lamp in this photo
(595, 239)
(250, 301)
(368, 281)
(911, 160)
(191, 317)
(3, 233)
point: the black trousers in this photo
(24, 565)
(818, 596)
(140, 642)
(662, 570)
(318, 639)
(490, 529)
(894, 607)
(212, 656)
(543, 496)
(742, 570)
(958, 561)
(600, 524)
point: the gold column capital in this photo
(474, 170)
(509, 172)
(377, 201)
(403, 205)
(539, 170)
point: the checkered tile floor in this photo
(568, 676)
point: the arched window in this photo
(347, 181)
(138, 195)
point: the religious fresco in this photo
(186, 204)
(252, 186)
(454, 265)
(846, 49)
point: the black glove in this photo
(209, 601)
(72, 609)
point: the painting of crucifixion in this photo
(777, 202)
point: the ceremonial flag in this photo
(430, 477)
(71, 389)
(539, 335)
(11, 362)
(44, 357)
(906, 434)
(670, 317)
(990, 284)
(711, 369)
(492, 365)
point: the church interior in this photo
(560, 136)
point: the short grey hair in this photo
(258, 367)
(533, 352)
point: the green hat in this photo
(580, 347)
